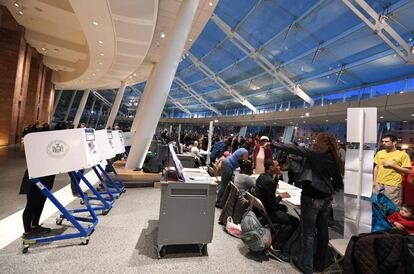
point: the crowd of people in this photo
(317, 168)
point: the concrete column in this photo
(81, 107)
(160, 84)
(55, 105)
(70, 106)
(115, 105)
(90, 112)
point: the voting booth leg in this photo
(111, 196)
(118, 179)
(83, 233)
(106, 205)
(118, 185)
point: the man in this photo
(217, 149)
(390, 166)
(266, 185)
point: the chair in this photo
(256, 203)
(339, 246)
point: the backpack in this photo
(253, 234)
(408, 251)
(382, 206)
(154, 165)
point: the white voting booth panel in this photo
(128, 137)
(105, 149)
(352, 175)
(118, 141)
(59, 151)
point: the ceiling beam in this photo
(220, 82)
(378, 23)
(262, 61)
(197, 96)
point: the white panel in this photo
(105, 149)
(138, 32)
(118, 141)
(350, 228)
(132, 8)
(60, 151)
(351, 179)
(350, 204)
(351, 160)
(354, 125)
(128, 136)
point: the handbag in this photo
(232, 228)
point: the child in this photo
(404, 219)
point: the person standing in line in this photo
(320, 178)
(228, 166)
(261, 153)
(390, 166)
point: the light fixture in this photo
(130, 77)
(191, 40)
(412, 114)
(381, 117)
(401, 92)
(95, 23)
(100, 42)
(101, 54)
(100, 63)
(162, 35)
(210, 4)
(405, 121)
(16, 4)
(43, 48)
(93, 74)
(20, 12)
(307, 114)
(135, 74)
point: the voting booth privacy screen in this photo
(128, 137)
(105, 149)
(59, 151)
(118, 141)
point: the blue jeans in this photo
(226, 174)
(314, 215)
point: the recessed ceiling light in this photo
(20, 12)
(162, 35)
(412, 114)
(44, 49)
(16, 4)
(381, 117)
(93, 74)
(130, 77)
(307, 114)
(100, 42)
(95, 23)
(135, 74)
(101, 54)
(210, 4)
(401, 92)
(100, 63)
(404, 121)
(191, 40)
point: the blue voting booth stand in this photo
(64, 151)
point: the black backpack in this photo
(154, 165)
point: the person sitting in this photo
(243, 180)
(266, 185)
(404, 219)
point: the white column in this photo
(57, 101)
(81, 107)
(160, 84)
(115, 106)
(70, 106)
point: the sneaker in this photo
(27, 235)
(40, 230)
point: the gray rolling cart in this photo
(186, 215)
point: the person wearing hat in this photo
(261, 153)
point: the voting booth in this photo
(362, 129)
(60, 151)
(128, 137)
(118, 141)
(63, 151)
(106, 149)
(187, 209)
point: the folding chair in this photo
(339, 246)
(256, 203)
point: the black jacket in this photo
(266, 192)
(319, 170)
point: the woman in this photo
(320, 177)
(261, 153)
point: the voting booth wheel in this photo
(59, 220)
(81, 201)
(25, 248)
(84, 240)
(105, 212)
(124, 190)
(203, 250)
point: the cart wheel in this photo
(25, 248)
(105, 212)
(59, 220)
(161, 252)
(81, 201)
(204, 251)
(84, 240)
(124, 190)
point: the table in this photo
(293, 201)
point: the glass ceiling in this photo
(320, 45)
